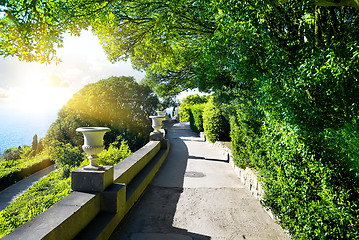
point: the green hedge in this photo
(187, 103)
(216, 126)
(310, 181)
(310, 194)
(196, 117)
(12, 171)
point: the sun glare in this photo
(40, 93)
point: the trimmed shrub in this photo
(216, 126)
(184, 113)
(246, 122)
(187, 103)
(196, 117)
(309, 193)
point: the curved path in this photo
(9, 194)
(196, 195)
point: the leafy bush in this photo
(306, 192)
(117, 151)
(245, 125)
(343, 143)
(11, 154)
(196, 117)
(65, 156)
(187, 103)
(8, 167)
(216, 126)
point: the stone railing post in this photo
(157, 135)
(92, 178)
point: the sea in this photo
(17, 128)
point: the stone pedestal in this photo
(156, 135)
(91, 181)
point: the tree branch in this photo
(331, 3)
(338, 3)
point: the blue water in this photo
(18, 128)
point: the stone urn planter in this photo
(157, 122)
(93, 144)
(161, 113)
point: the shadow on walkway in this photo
(208, 159)
(152, 217)
(196, 195)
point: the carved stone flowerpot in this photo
(93, 144)
(161, 113)
(157, 122)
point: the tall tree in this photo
(118, 103)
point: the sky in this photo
(34, 88)
(25, 85)
(31, 94)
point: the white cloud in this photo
(86, 80)
(83, 62)
(95, 64)
(3, 93)
(55, 81)
(73, 72)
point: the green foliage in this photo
(24, 160)
(307, 193)
(187, 102)
(244, 139)
(196, 117)
(119, 103)
(289, 70)
(341, 145)
(33, 30)
(11, 154)
(117, 151)
(41, 196)
(26, 151)
(216, 126)
(65, 156)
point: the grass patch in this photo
(41, 196)
(8, 167)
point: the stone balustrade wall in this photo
(86, 215)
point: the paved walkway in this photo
(9, 194)
(196, 195)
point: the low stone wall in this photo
(247, 176)
(95, 215)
